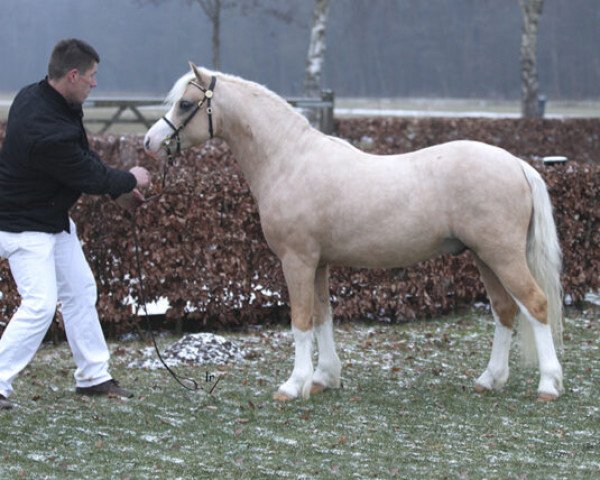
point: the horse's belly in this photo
(387, 252)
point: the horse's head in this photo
(190, 119)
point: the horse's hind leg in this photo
(519, 282)
(504, 310)
(329, 368)
(300, 277)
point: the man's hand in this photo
(131, 201)
(142, 176)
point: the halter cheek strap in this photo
(168, 140)
(208, 94)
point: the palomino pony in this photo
(323, 202)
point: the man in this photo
(45, 165)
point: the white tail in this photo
(544, 258)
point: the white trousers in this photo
(49, 269)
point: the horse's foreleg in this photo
(299, 277)
(329, 368)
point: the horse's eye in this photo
(185, 105)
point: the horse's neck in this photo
(262, 134)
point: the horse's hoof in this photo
(480, 388)
(546, 397)
(317, 388)
(280, 396)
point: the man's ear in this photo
(72, 75)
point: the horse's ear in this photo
(199, 76)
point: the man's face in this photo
(82, 84)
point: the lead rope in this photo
(142, 293)
(142, 300)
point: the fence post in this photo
(542, 99)
(326, 126)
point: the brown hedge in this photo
(202, 246)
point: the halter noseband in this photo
(208, 94)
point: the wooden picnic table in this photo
(324, 106)
(122, 105)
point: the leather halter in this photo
(208, 94)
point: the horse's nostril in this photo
(147, 144)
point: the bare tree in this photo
(213, 10)
(316, 49)
(531, 11)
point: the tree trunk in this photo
(316, 49)
(531, 11)
(212, 9)
(216, 36)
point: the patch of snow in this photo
(193, 349)
(593, 297)
(568, 300)
(38, 457)
(150, 438)
(159, 307)
(178, 461)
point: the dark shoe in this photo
(109, 388)
(4, 403)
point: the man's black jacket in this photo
(46, 163)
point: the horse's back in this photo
(441, 182)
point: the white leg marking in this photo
(329, 368)
(551, 376)
(300, 382)
(495, 375)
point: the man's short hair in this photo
(71, 53)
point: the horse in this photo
(324, 202)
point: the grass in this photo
(407, 410)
